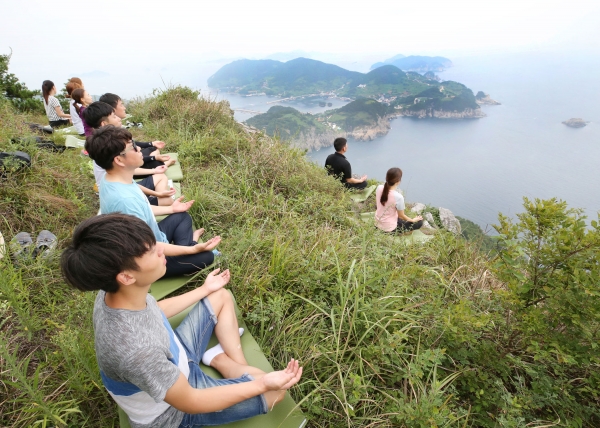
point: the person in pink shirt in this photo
(390, 216)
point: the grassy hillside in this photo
(389, 336)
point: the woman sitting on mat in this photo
(72, 84)
(390, 215)
(82, 99)
(54, 111)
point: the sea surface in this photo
(478, 168)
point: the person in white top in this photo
(54, 111)
(75, 83)
(390, 216)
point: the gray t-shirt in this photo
(140, 358)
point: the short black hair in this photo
(110, 99)
(96, 113)
(102, 247)
(339, 143)
(105, 144)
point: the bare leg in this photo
(161, 184)
(198, 233)
(230, 370)
(227, 329)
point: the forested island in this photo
(376, 97)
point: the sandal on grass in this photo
(45, 242)
(20, 245)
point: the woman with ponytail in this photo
(82, 99)
(75, 83)
(54, 111)
(390, 216)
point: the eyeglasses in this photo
(133, 147)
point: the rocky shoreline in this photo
(486, 100)
(469, 113)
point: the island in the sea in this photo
(375, 98)
(416, 63)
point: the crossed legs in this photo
(232, 363)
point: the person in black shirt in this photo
(337, 165)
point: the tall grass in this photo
(390, 335)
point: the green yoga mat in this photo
(283, 415)
(74, 142)
(363, 195)
(68, 130)
(163, 287)
(174, 172)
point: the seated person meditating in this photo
(152, 156)
(114, 150)
(149, 369)
(73, 84)
(155, 184)
(390, 215)
(337, 165)
(56, 116)
(81, 100)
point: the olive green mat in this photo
(174, 172)
(74, 142)
(363, 195)
(68, 130)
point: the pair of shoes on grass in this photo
(22, 245)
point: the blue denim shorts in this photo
(194, 333)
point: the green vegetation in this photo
(360, 113)
(286, 122)
(300, 76)
(419, 336)
(449, 96)
(15, 91)
(473, 233)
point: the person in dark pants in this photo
(338, 166)
(114, 150)
(390, 215)
(56, 116)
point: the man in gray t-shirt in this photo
(151, 370)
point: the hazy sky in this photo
(132, 46)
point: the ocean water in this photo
(478, 168)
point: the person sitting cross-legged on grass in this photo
(390, 215)
(151, 370)
(151, 151)
(337, 165)
(155, 184)
(114, 150)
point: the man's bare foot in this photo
(198, 233)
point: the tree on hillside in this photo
(15, 91)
